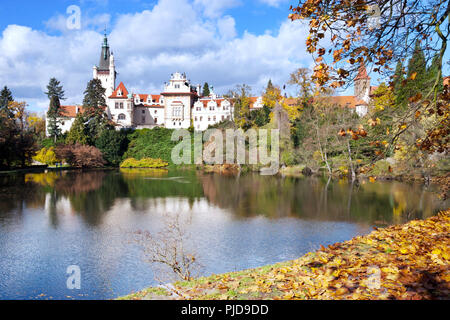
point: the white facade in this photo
(209, 111)
(179, 106)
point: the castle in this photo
(179, 106)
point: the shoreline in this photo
(406, 261)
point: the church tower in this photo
(106, 69)
(362, 84)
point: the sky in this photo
(222, 42)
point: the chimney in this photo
(199, 90)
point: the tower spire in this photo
(105, 55)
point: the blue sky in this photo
(222, 42)
(252, 15)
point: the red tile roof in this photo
(206, 101)
(343, 101)
(122, 88)
(70, 111)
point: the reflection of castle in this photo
(178, 106)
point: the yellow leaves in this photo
(436, 251)
(372, 179)
(413, 76)
(374, 122)
(396, 257)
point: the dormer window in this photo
(119, 93)
(177, 86)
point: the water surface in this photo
(49, 221)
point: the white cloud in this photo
(149, 46)
(227, 27)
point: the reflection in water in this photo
(49, 221)
(320, 199)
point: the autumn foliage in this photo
(403, 262)
(80, 156)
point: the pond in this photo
(49, 221)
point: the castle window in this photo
(223, 118)
(211, 108)
(201, 118)
(121, 105)
(176, 112)
(143, 111)
(195, 118)
(143, 119)
(214, 118)
(177, 86)
(121, 116)
(156, 111)
(156, 121)
(117, 105)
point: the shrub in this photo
(46, 156)
(80, 156)
(113, 145)
(143, 163)
(151, 143)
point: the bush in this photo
(47, 156)
(151, 143)
(80, 156)
(143, 163)
(113, 145)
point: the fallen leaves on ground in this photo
(409, 261)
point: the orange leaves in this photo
(415, 98)
(373, 122)
(407, 261)
(354, 134)
(413, 76)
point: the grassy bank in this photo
(409, 261)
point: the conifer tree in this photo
(206, 91)
(52, 118)
(77, 133)
(397, 84)
(433, 71)
(417, 73)
(54, 88)
(94, 110)
(55, 93)
(5, 98)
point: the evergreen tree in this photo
(113, 145)
(52, 118)
(5, 98)
(206, 91)
(94, 110)
(77, 133)
(94, 100)
(54, 88)
(433, 72)
(398, 85)
(417, 73)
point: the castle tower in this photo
(106, 70)
(362, 84)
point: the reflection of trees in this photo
(16, 194)
(251, 195)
